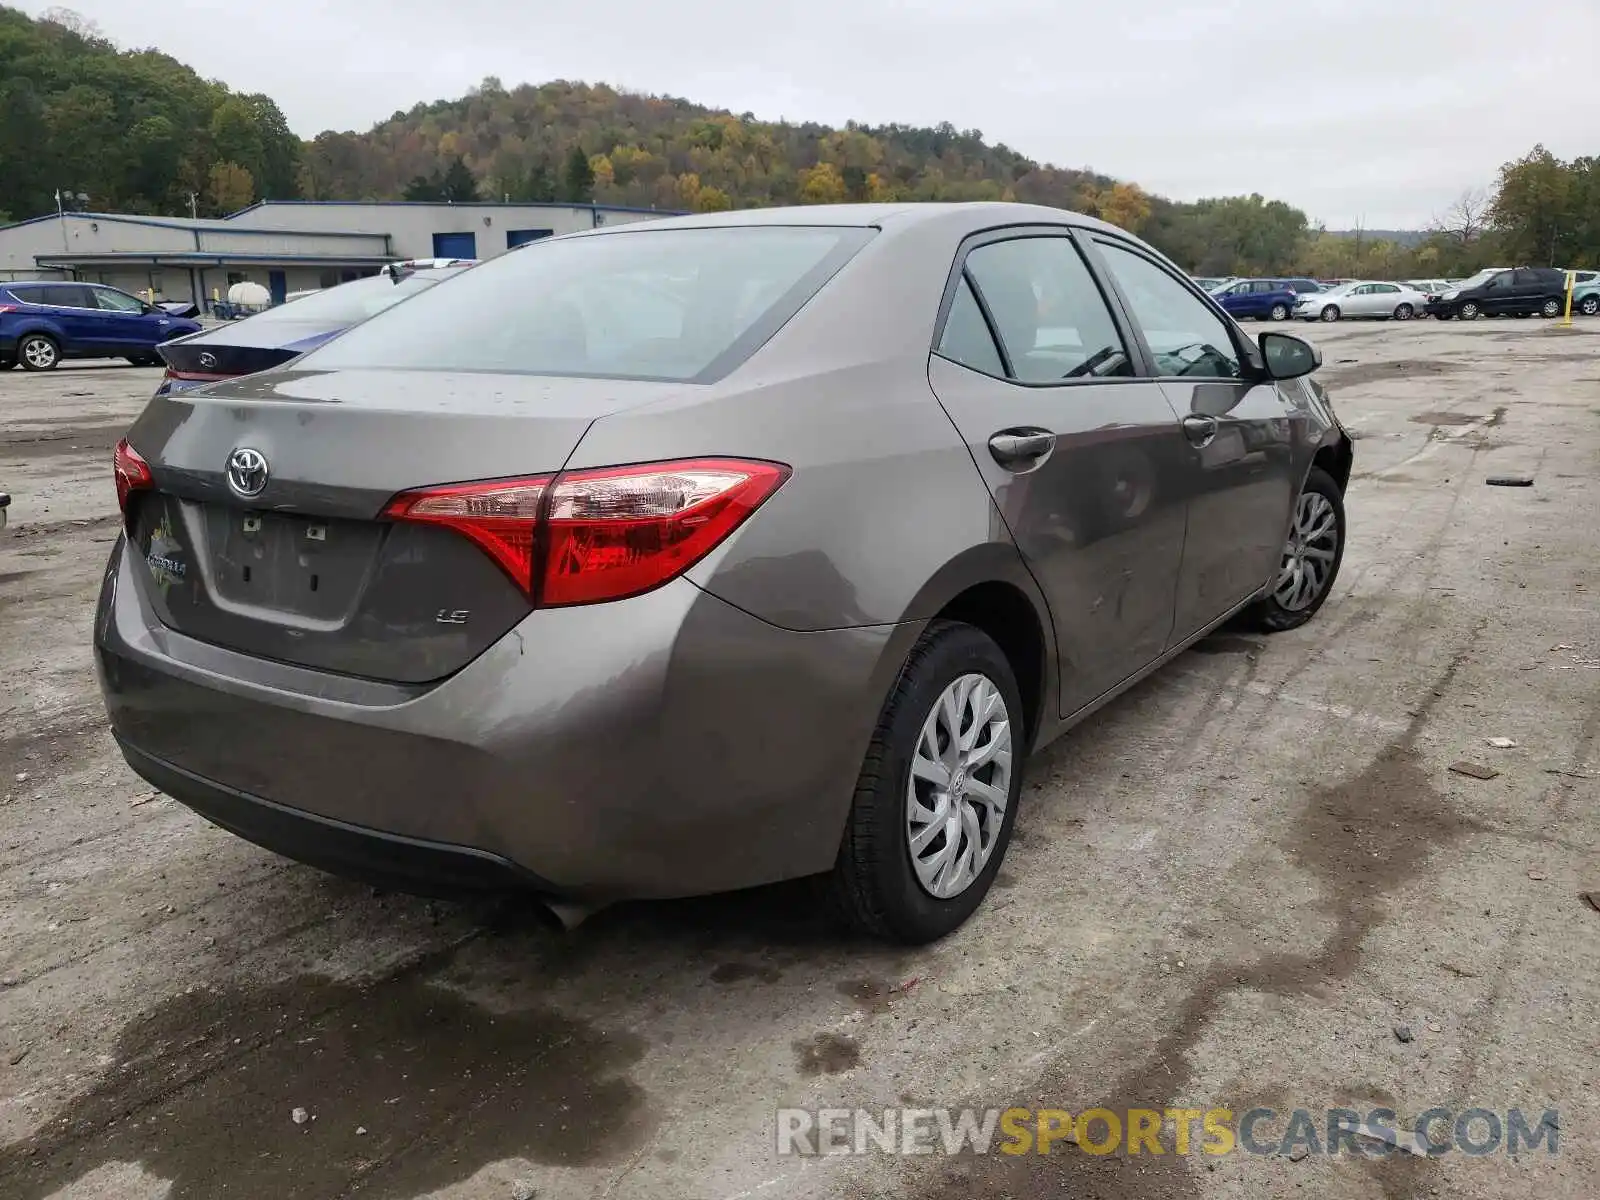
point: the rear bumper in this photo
(386, 859)
(666, 745)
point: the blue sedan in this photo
(279, 334)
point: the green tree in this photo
(540, 185)
(235, 136)
(579, 180)
(1531, 207)
(457, 184)
(231, 188)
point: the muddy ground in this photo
(1228, 889)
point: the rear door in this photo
(1035, 368)
(74, 309)
(1236, 468)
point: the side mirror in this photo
(1288, 356)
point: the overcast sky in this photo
(1374, 110)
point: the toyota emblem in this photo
(247, 472)
(208, 360)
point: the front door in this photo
(130, 328)
(1237, 469)
(1077, 450)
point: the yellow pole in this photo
(1566, 322)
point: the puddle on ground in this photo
(205, 1085)
(1360, 839)
(827, 1054)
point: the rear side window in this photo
(65, 295)
(1048, 311)
(670, 304)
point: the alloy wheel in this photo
(39, 353)
(1403, 313)
(1468, 311)
(1309, 556)
(959, 786)
(1331, 313)
(1589, 305)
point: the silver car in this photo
(1363, 298)
(702, 553)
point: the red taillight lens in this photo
(5, 308)
(132, 472)
(625, 530)
(591, 536)
(501, 517)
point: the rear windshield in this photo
(351, 302)
(684, 305)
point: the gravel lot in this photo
(1227, 889)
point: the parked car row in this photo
(1494, 291)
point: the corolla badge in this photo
(247, 472)
(208, 360)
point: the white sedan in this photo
(1362, 298)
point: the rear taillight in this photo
(194, 376)
(133, 473)
(583, 537)
(5, 308)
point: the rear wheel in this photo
(38, 352)
(1589, 305)
(1330, 312)
(1550, 308)
(1468, 310)
(1404, 312)
(937, 796)
(1311, 557)
(1280, 312)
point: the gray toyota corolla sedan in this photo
(702, 553)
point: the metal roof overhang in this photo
(207, 258)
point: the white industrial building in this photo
(284, 245)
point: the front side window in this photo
(115, 301)
(966, 338)
(670, 304)
(1187, 338)
(1047, 310)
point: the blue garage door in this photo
(520, 237)
(455, 245)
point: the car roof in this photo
(975, 215)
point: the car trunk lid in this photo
(306, 570)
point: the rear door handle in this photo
(1199, 430)
(1020, 448)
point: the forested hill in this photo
(138, 131)
(135, 131)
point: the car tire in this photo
(874, 887)
(1588, 306)
(1330, 312)
(38, 352)
(1288, 603)
(1404, 312)
(1468, 311)
(1550, 308)
(1280, 312)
